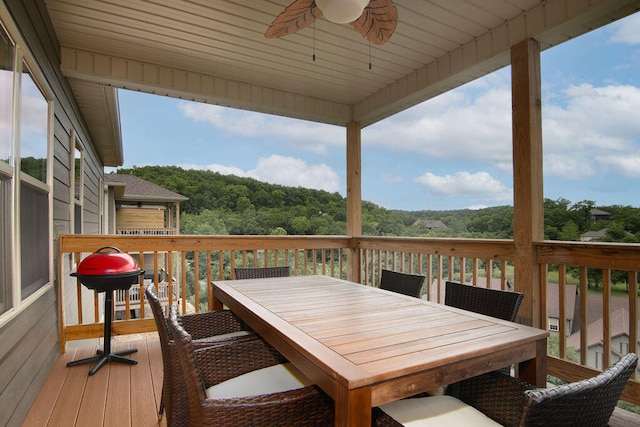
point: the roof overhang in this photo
(215, 52)
(99, 107)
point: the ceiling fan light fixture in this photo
(342, 11)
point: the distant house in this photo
(553, 308)
(619, 322)
(592, 235)
(600, 234)
(430, 224)
(597, 215)
(136, 206)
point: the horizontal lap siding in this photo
(28, 351)
(30, 340)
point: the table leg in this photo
(535, 371)
(217, 304)
(353, 407)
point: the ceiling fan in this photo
(376, 20)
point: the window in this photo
(624, 347)
(6, 267)
(599, 360)
(25, 187)
(6, 99)
(77, 182)
(553, 327)
(7, 54)
(34, 193)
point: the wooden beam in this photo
(528, 201)
(354, 196)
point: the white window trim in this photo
(74, 144)
(22, 55)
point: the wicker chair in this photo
(207, 328)
(212, 375)
(510, 402)
(262, 272)
(402, 283)
(491, 302)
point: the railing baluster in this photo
(562, 317)
(416, 255)
(606, 318)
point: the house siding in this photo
(30, 339)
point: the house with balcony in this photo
(63, 62)
(138, 207)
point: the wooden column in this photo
(528, 199)
(177, 213)
(354, 196)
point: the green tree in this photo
(570, 232)
(207, 222)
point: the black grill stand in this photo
(105, 355)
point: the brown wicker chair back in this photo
(589, 402)
(511, 402)
(173, 390)
(262, 272)
(402, 283)
(491, 302)
(204, 367)
(206, 328)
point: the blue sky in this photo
(451, 152)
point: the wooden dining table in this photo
(365, 346)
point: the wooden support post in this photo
(528, 199)
(354, 197)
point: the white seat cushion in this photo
(436, 411)
(274, 379)
(223, 337)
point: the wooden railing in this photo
(209, 258)
(590, 265)
(147, 231)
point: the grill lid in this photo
(112, 262)
(106, 271)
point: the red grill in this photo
(106, 272)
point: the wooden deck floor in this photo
(124, 395)
(117, 395)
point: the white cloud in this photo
(597, 125)
(470, 123)
(296, 172)
(214, 167)
(479, 186)
(625, 165)
(393, 179)
(627, 30)
(282, 170)
(309, 136)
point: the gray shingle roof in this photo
(138, 190)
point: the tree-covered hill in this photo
(227, 204)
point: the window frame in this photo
(23, 58)
(77, 200)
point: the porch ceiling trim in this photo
(215, 52)
(550, 23)
(157, 79)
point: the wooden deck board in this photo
(117, 395)
(70, 397)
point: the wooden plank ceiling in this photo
(215, 51)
